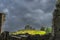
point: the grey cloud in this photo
(22, 12)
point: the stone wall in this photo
(56, 21)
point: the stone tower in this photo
(56, 21)
(2, 19)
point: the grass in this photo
(31, 32)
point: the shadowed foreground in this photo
(5, 36)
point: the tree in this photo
(42, 28)
(28, 27)
(48, 30)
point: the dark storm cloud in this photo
(22, 12)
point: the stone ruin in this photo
(56, 21)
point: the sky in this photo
(36, 13)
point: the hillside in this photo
(31, 32)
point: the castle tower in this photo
(2, 19)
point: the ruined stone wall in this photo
(56, 21)
(2, 19)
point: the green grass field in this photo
(31, 32)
